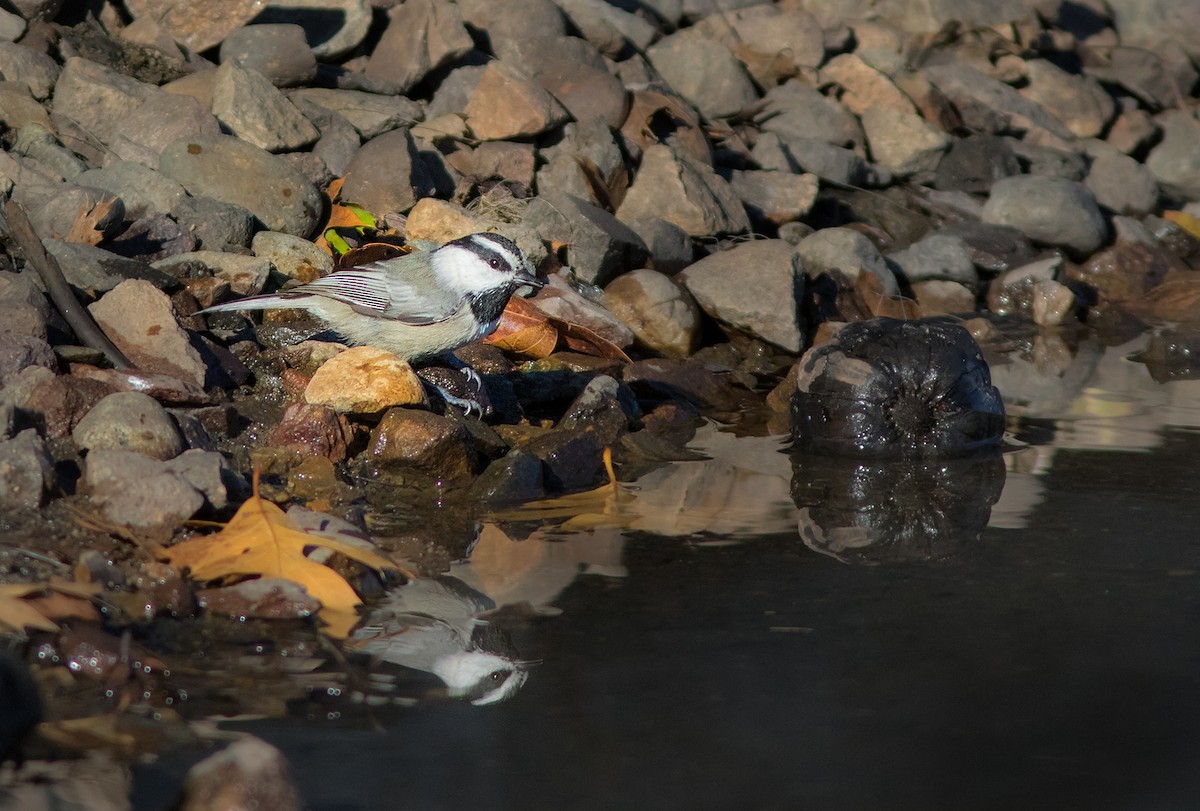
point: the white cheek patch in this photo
(461, 270)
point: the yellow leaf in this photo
(37, 605)
(1185, 221)
(262, 540)
(16, 614)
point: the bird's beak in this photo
(526, 279)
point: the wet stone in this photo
(437, 446)
(676, 380)
(1125, 272)
(26, 470)
(313, 430)
(57, 404)
(571, 459)
(249, 773)
(514, 478)
(1011, 293)
(129, 420)
(263, 598)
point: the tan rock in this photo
(661, 314)
(864, 86)
(140, 320)
(441, 221)
(365, 380)
(507, 104)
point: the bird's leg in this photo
(459, 386)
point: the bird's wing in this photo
(397, 289)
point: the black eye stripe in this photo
(499, 252)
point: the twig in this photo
(60, 292)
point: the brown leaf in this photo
(37, 605)
(91, 223)
(526, 330)
(371, 252)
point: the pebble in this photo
(139, 493)
(313, 430)
(937, 256)
(795, 110)
(217, 226)
(292, 256)
(1121, 185)
(508, 104)
(26, 471)
(775, 197)
(662, 315)
(129, 420)
(1049, 210)
(514, 478)
(1078, 101)
(902, 143)
(704, 72)
(140, 320)
(1175, 161)
(364, 380)
(27, 66)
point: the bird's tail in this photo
(267, 302)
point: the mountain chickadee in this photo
(419, 305)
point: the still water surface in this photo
(731, 641)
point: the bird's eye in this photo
(495, 263)
(496, 675)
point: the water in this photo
(713, 645)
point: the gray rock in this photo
(232, 171)
(616, 33)
(1149, 76)
(1049, 210)
(388, 175)
(575, 73)
(670, 247)
(26, 471)
(11, 26)
(279, 52)
(507, 104)
(339, 140)
(8, 418)
(1044, 160)
(20, 352)
(141, 321)
(831, 163)
(139, 493)
(142, 190)
(846, 250)
(454, 92)
(132, 421)
(144, 132)
(1149, 22)
(370, 113)
(514, 478)
(246, 275)
(254, 110)
(292, 256)
(32, 68)
(53, 210)
(589, 143)
(600, 247)
(333, 28)
(21, 318)
(21, 288)
(662, 315)
(704, 72)
(507, 25)
(937, 256)
(773, 44)
(1133, 130)
(1122, 185)
(208, 472)
(89, 268)
(902, 142)
(685, 192)
(795, 110)
(18, 109)
(776, 197)
(993, 248)
(35, 141)
(97, 98)
(1078, 101)
(974, 163)
(214, 224)
(988, 105)
(1175, 162)
(756, 287)
(421, 35)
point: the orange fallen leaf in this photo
(37, 605)
(261, 539)
(526, 330)
(91, 223)
(1185, 221)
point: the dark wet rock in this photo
(313, 430)
(142, 190)
(507, 103)
(600, 247)
(167, 390)
(420, 36)
(662, 315)
(144, 132)
(910, 511)
(369, 113)
(846, 250)
(1126, 271)
(775, 197)
(571, 459)
(232, 171)
(902, 143)
(685, 192)
(437, 446)
(388, 175)
(24, 65)
(97, 98)
(1077, 100)
(795, 110)
(1048, 210)
(20, 707)
(993, 248)
(140, 320)
(278, 51)
(575, 73)
(1011, 293)
(253, 110)
(704, 72)
(514, 478)
(1122, 185)
(756, 288)
(670, 247)
(292, 256)
(1175, 162)
(898, 388)
(684, 381)
(974, 163)
(26, 470)
(937, 256)
(129, 420)
(249, 773)
(604, 406)
(20, 352)
(55, 404)
(216, 225)
(152, 238)
(1172, 353)
(138, 493)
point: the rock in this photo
(231, 171)
(53, 210)
(292, 256)
(775, 197)
(144, 132)
(571, 459)
(1048, 210)
(370, 113)
(600, 247)
(19, 109)
(151, 238)
(1132, 131)
(26, 471)
(508, 104)
(993, 248)
(35, 141)
(139, 493)
(755, 287)
(140, 320)
(333, 28)
(687, 381)
(897, 388)
(142, 190)
(245, 275)
(421, 35)
(279, 52)
(1121, 185)
(1053, 303)
(313, 430)
(704, 72)
(1078, 101)
(163, 388)
(197, 29)
(1041, 160)
(506, 25)
(129, 420)
(209, 473)
(575, 73)
(24, 65)
(1175, 162)
(501, 159)
(364, 380)
(902, 142)
(846, 250)
(975, 162)
(601, 409)
(215, 225)
(20, 352)
(943, 297)
(828, 162)
(1125, 272)
(772, 43)
(251, 108)
(1011, 293)
(21, 319)
(937, 256)
(388, 175)
(438, 446)
(670, 247)
(97, 98)
(249, 773)
(339, 140)
(514, 478)
(1149, 23)
(685, 192)
(865, 88)
(661, 314)
(559, 299)
(55, 404)
(795, 110)
(615, 32)
(262, 598)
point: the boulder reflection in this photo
(875, 511)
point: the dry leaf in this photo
(526, 330)
(17, 614)
(1185, 221)
(90, 225)
(370, 252)
(37, 605)
(262, 540)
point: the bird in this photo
(419, 306)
